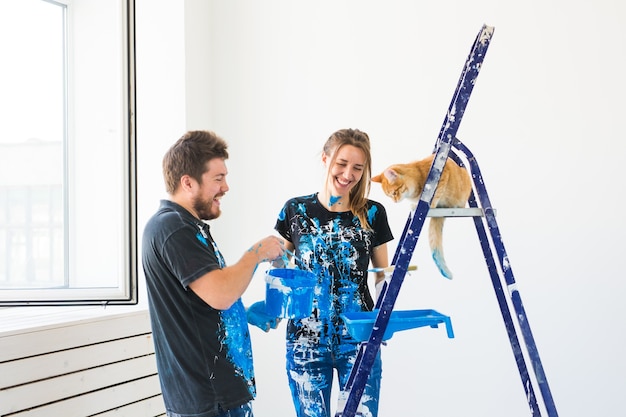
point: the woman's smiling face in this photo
(345, 171)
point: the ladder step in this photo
(457, 212)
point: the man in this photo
(199, 326)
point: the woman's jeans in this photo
(310, 375)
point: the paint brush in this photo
(295, 258)
(390, 269)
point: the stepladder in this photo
(383, 321)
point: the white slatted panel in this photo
(97, 364)
(71, 332)
(97, 402)
(40, 367)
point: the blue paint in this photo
(202, 239)
(441, 264)
(333, 200)
(236, 336)
(257, 316)
(311, 389)
(218, 254)
(328, 250)
(289, 293)
(371, 214)
(406, 246)
(337, 250)
(237, 341)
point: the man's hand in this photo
(269, 249)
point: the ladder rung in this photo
(457, 212)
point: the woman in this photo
(335, 233)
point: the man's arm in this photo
(220, 288)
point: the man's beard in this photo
(204, 208)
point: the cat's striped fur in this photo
(406, 181)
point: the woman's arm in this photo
(380, 259)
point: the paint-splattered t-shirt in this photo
(335, 247)
(203, 355)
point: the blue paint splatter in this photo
(371, 214)
(202, 239)
(441, 264)
(236, 336)
(333, 200)
(237, 339)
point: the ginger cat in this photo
(406, 181)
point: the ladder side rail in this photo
(404, 251)
(357, 363)
(383, 290)
(362, 348)
(360, 372)
(503, 302)
(505, 311)
(522, 318)
(515, 297)
(449, 128)
(407, 226)
(448, 132)
(533, 352)
(465, 85)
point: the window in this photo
(67, 153)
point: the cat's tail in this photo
(435, 233)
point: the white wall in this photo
(277, 77)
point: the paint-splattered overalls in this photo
(335, 247)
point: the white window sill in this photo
(17, 320)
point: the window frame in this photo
(126, 292)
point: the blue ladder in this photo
(492, 249)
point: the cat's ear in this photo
(377, 178)
(391, 174)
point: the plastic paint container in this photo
(361, 323)
(289, 293)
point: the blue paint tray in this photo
(360, 323)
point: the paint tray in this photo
(360, 323)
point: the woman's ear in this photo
(324, 158)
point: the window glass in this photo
(67, 222)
